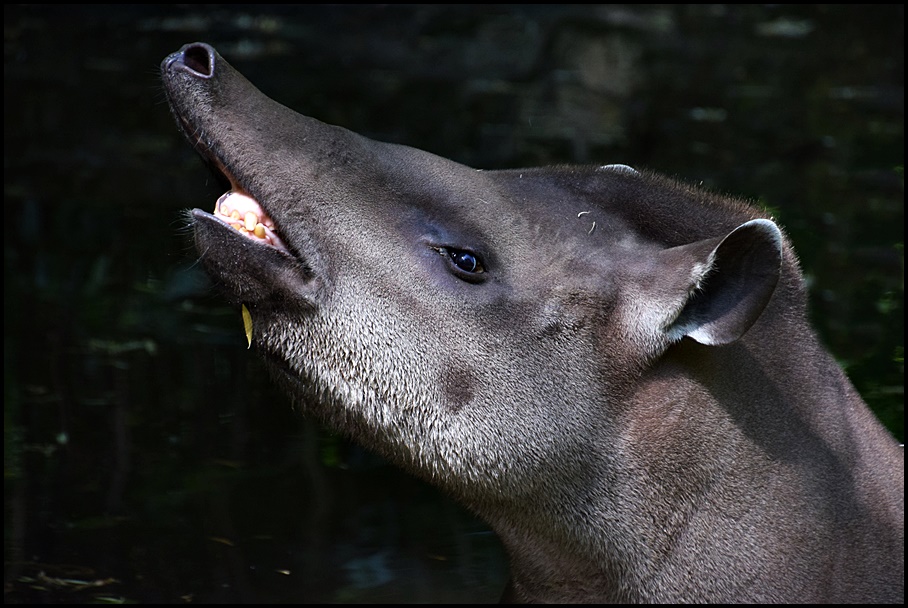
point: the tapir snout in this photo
(614, 369)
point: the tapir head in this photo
(480, 328)
(613, 369)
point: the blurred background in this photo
(146, 456)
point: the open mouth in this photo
(246, 215)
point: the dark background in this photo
(146, 456)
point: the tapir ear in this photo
(731, 282)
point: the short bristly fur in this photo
(614, 370)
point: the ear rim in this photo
(732, 284)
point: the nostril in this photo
(199, 58)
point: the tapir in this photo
(613, 369)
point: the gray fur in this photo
(641, 410)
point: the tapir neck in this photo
(773, 471)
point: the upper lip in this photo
(198, 61)
(206, 149)
(196, 135)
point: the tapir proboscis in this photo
(612, 369)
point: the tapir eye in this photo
(465, 260)
(465, 264)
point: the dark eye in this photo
(464, 264)
(465, 261)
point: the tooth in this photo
(235, 214)
(251, 220)
(260, 230)
(220, 207)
